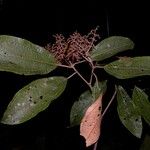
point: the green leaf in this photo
(128, 113)
(32, 99)
(79, 108)
(85, 100)
(140, 99)
(110, 47)
(23, 57)
(99, 87)
(127, 67)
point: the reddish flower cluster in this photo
(73, 49)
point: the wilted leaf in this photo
(140, 99)
(129, 67)
(86, 99)
(111, 46)
(90, 124)
(32, 99)
(128, 113)
(23, 57)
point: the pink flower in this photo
(73, 49)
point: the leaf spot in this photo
(30, 100)
(136, 119)
(99, 108)
(41, 97)
(124, 118)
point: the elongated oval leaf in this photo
(32, 99)
(126, 67)
(111, 46)
(128, 113)
(140, 99)
(23, 57)
(85, 101)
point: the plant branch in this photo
(79, 62)
(64, 66)
(72, 65)
(95, 146)
(71, 75)
(96, 78)
(67, 66)
(99, 67)
(92, 73)
(110, 102)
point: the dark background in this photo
(37, 21)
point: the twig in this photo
(79, 62)
(81, 76)
(92, 71)
(88, 59)
(109, 103)
(64, 66)
(71, 75)
(96, 78)
(95, 146)
(67, 66)
(99, 67)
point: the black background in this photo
(37, 21)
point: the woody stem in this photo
(78, 73)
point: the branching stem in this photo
(81, 76)
(72, 75)
(110, 102)
(95, 146)
(99, 67)
(64, 66)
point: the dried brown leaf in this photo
(91, 122)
